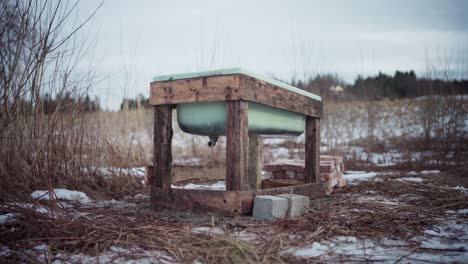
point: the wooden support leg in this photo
(255, 161)
(162, 155)
(312, 150)
(237, 140)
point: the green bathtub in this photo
(209, 118)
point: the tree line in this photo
(403, 84)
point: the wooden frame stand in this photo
(243, 160)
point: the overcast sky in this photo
(136, 40)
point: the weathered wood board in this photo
(223, 202)
(232, 87)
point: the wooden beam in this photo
(237, 139)
(162, 155)
(255, 90)
(255, 161)
(312, 150)
(224, 202)
(227, 203)
(233, 87)
(202, 89)
(181, 174)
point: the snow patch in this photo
(7, 218)
(217, 186)
(417, 180)
(61, 194)
(5, 251)
(460, 188)
(208, 230)
(461, 211)
(354, 177)
(315, 250)
(118, 255)
(428, 172)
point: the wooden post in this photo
(162, 154)
(255, 161)
(237, 140)
(312, 150)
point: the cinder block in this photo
(269, 207)
(297, 204)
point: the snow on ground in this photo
(7, 218)
(61, 194)
(418, 180)
(208, 230)
(354, 177)
(460, 188)
(114, 254)
(217, 186)
(112, 171)
(5, 251)
(450, 244)
(429, 172)
(461, 211)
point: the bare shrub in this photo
(39, 54)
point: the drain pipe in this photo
(212, 141)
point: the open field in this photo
(420, 133)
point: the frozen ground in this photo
(444, 242)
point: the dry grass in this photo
(362, 211)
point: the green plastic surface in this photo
(209, 119)
(235, 71)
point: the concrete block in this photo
(269, 207)
(297, 204)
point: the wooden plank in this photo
(312, 150)
(266, 93)
(203, 89)
(255, 161)
(181, 174)
(222, 202)
(237, 136)
(274, 183)
(162, 154)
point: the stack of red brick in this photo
(291, 172)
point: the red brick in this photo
(327, 166)
(290, 175)
(273, 167)
(279, 174)
(296, 167)
(300, 175)
(327, 176)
